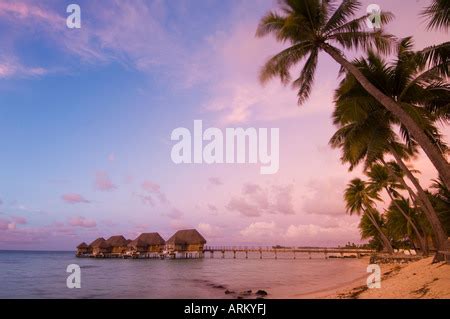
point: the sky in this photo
(86, 117)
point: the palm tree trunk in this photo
(409, 220)
(433, 153)
(386, 242)
(414, 198)
(411, 193)
(436, 225)
(418, 205)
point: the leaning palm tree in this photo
(361, 200)
(367, 131)
(313, 26)
(367, 229)
(381, 179)
(398, 217)
(397, 173)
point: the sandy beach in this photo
(416, 280)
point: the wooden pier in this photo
(291, 252)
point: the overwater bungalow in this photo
(82, 249)
(118, 245)
(186, 243)
(100, 247)
(147, 244)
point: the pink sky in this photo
(229, 204)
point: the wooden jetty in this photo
(189, 243)
(292, 251)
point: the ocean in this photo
(37, 274)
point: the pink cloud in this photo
(82, 222)
(151, 187)
(103, 182)
(54, 236)
(242, 206)
(29, 11)
(257, 195)
(332, 203)
(152, 191)
(259, 230)
(10, 67)
(100, 41)
(250, 188)
(215, 181)
(128, 37)
(263, 232)
(310, 234)
(19, 220)
(255, 200)
(26, 14)
(283, 201)
(210, 231)
(212, 208)
(6, 224)
(174, 213)
(74, 198)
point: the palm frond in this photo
(438, 56)
(340, 16)
(438, 15)
(280, 64)
(364, 40)
(306, 79)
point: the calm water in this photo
(43, 275)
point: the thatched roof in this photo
(117, 241)
(186, 237)
(99, 243)
(82, 245)
(147, 239)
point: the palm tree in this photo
(399, 174)
(437, 57)
(438, 14)
(368, 230)
(361, 200)
(441, 192)
(380, 178)
(367, 131)
(398, 217)
(440, 197)
(313, 26)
